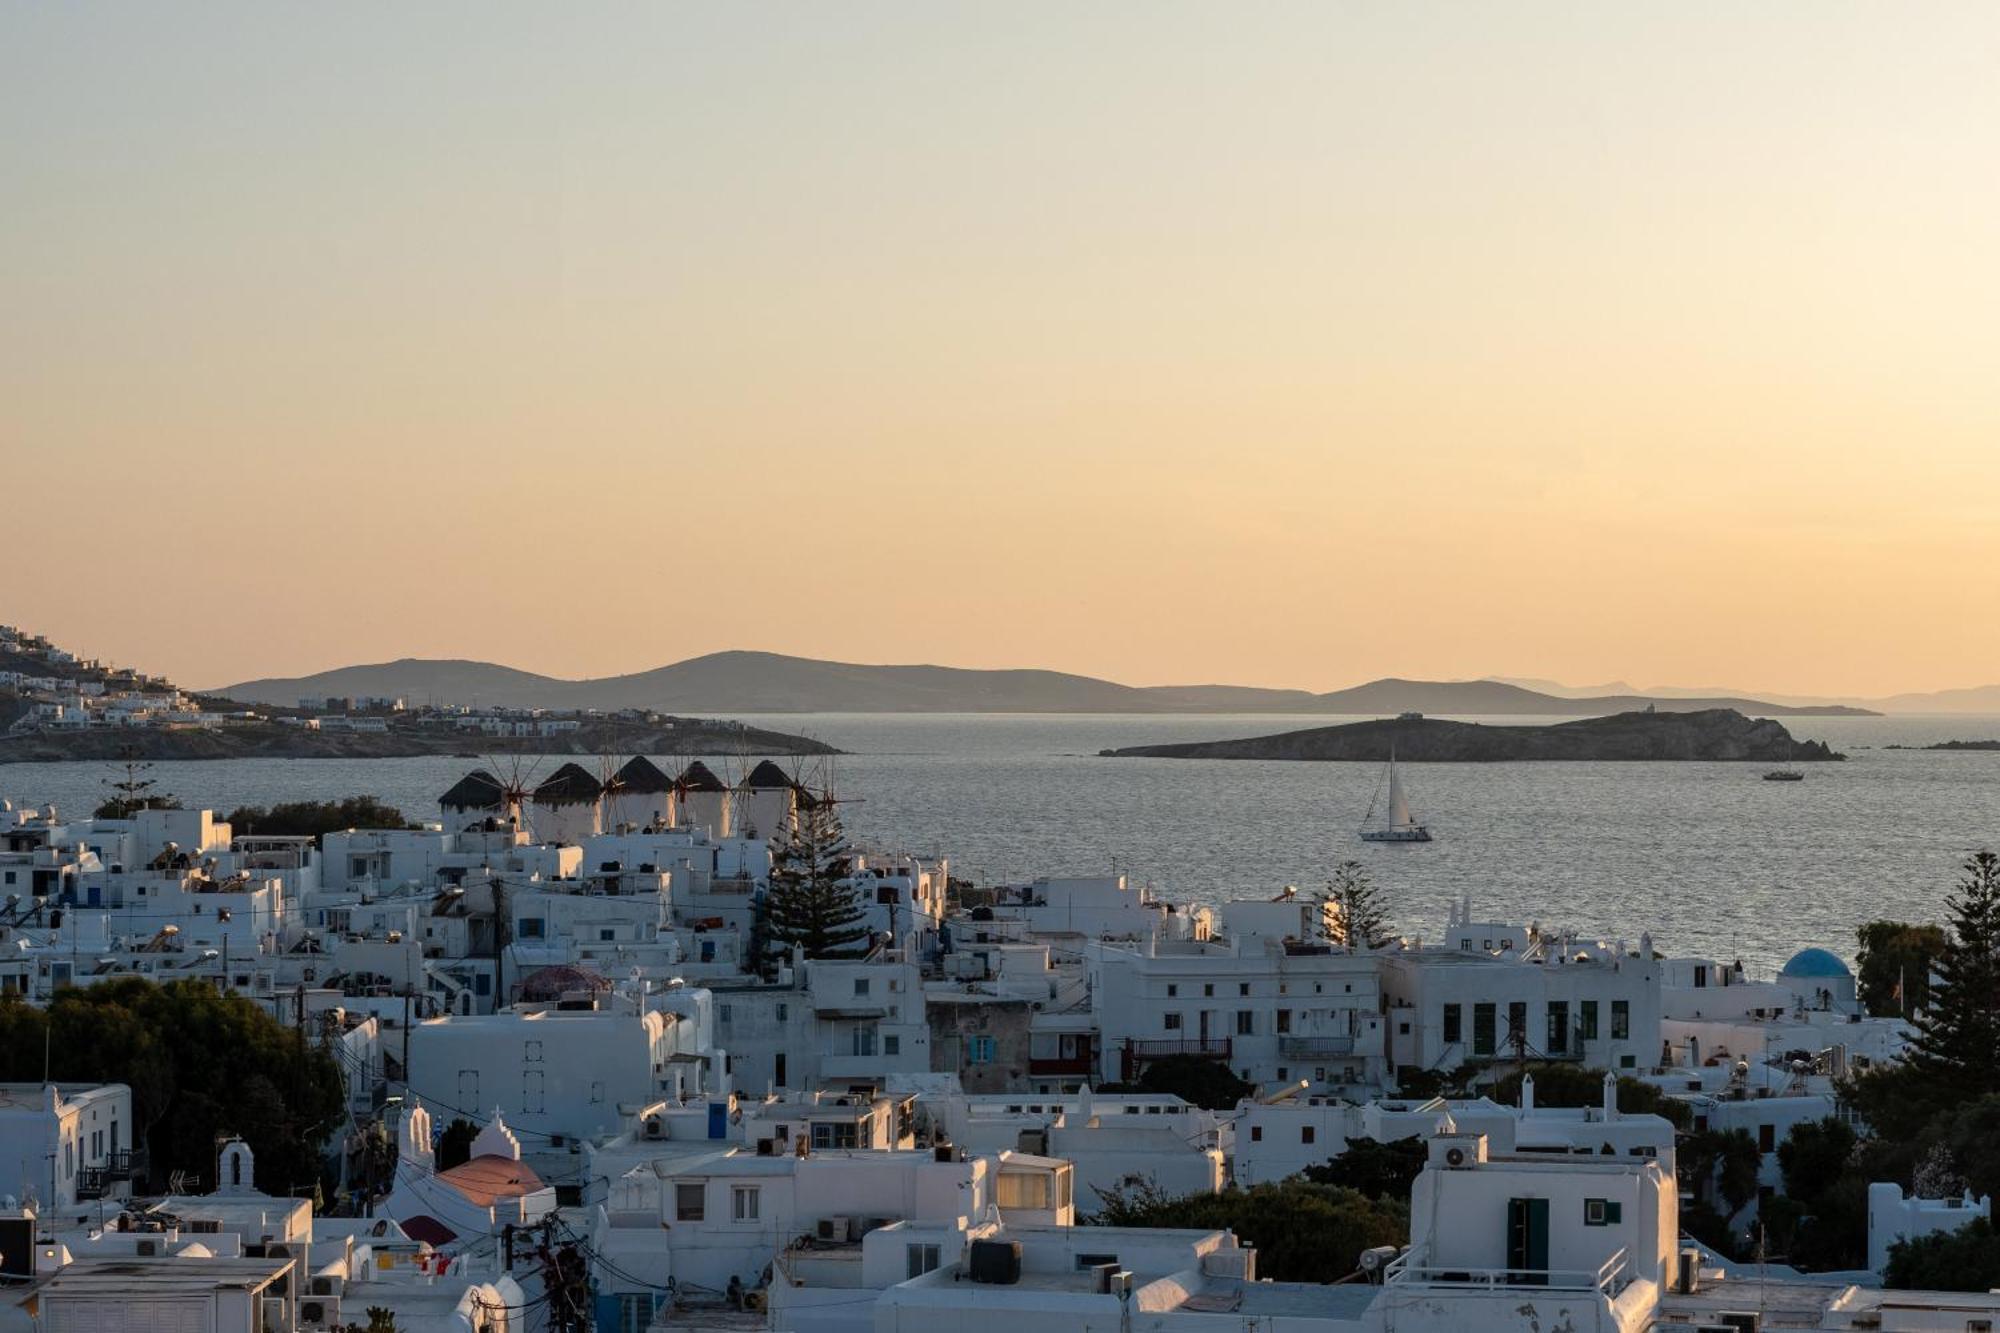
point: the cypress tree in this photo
(1363, 919)
(812, 904)
(1958, 1035)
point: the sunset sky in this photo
(1276, 344)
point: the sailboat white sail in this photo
(1398, 824)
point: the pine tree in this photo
(1958, 1035)
(1363, 919)
(812, 905)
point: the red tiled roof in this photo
(485, 1179)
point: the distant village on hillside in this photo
(56, 704)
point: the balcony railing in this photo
(1304, 1047)
(1215, 1048)
(1414, 1269)
(1059, 1066)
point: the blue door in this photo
(718, 1120)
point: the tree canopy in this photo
(1378, 1170)
(1304, 1232)
(1958, 1034)
(1363, 916)
(202, 1065)
(812, 904)
(1893, 968)
(302, 819)
(1560, 1084)
(1209, 1084)
(1967, 1259)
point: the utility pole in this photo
(499, 940)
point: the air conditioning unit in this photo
(319, 1313)
(278, 1251)
(326, 1285)
(277, 1311)
(655, 1127)
(1456, 1157)
(755, 1301)
(833, 1228)
(148, 1248)
(767, 1147)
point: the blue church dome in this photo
(1815, 963)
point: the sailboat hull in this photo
(1418, 834)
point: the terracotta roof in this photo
(485, 1179)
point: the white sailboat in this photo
(1398, 824)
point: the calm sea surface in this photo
(1708, 856)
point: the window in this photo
(1208, 988)
(1246, 1023)
(1256, 1133)
(1602, 1212)
(1621, 1020)
(923, 1258)
(606, 933)
(1586, 1021)
(743, 1203)
(1306, 1133)
(1558, 1027)
(892, 1045)
(1767, 1138)
(829, 1134)
(886, 893)
(533, 928)
(1172, 990)
(861, 985)
(980, 1050)
(862, 1041)
(635, 1312)
(688, 1201)
(1517, 1024)
(1284, 1020)
(1482, 1029)
(532, 1051)
(1700, 975)
(1020, 1189)
(1453, 1033)
(1171, 1022)
(1243, 988)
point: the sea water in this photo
(1707, 856)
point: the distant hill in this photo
(1713, 734)
(749, 682)
(1976, 699)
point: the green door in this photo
(1528, 1240)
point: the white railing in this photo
(1412, 1268)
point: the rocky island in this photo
(1949, 745)
(1713, 734)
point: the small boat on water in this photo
(1784, 775)
(1397, 825)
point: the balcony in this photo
(1136, 1054)
(1303, 1047)
(1062, 1066)
(1415, 1269)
